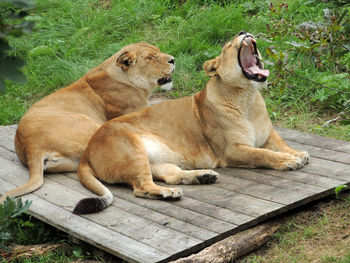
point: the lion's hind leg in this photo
(172, 174)
(122, 158)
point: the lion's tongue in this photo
(249, 61)
(256, 70)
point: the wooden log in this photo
(235, 246)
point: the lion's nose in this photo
(171, 61)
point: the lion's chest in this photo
(260, 122)
(261, 132)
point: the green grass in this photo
(318, 234)
(71, 37)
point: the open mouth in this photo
(249, 60)
(164, 81)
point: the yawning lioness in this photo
(55, 131)
(226, 124)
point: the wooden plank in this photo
(174, 210)
(314, 140)
(259, 190)
(207, 213)
(224, 214)
(157, 236)
(299, 200)
(303, 177)
(280, 182)
(189, 210)
(322, 167)
(9, 155)
(231, 200)
(154, 216)
(97, 235)
(322, 153)
(7, 136)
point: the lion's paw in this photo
(207, 177)
(289, 162)
(304, 156)
(171, 194)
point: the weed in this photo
(339, 188)
(10, 223)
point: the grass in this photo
(318, 234)
(71, 37)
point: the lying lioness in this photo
(55, 131)
(226, 124)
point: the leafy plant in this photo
(313, 54)
(339, 189)
(12, 24)
(10, 222)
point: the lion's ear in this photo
(210, 67)
(125, 60)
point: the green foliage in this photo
(77, 252)
(310, 58)
(12, 24)
(10, 221)
(305, 44)
(339, 189)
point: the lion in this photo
(55, 131)
(181, 141)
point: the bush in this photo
(11, 223)
(12, 24)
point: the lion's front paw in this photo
(289, 162)
(303, 155)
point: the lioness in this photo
(226, 124)
(55, 131)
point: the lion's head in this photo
(141, 65)
(239, 62)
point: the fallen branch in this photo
(235, 246)
(327, 123)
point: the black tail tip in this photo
(89, 206)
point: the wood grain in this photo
(142, 230)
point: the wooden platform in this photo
(140, 230)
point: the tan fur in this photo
(226, 124)
(55, 131)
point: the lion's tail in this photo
(36, 175)
(92, 204)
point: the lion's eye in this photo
(151, 57)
